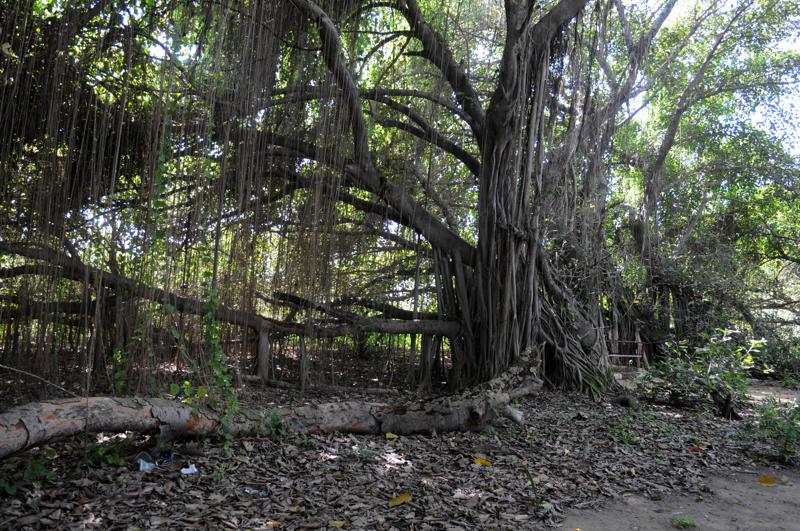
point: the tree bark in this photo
(264, 355)
(76, 270)
(40, 422)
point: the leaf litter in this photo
(572, 452)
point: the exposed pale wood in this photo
(40, 422)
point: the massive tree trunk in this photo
(518, 302)
(501, 297)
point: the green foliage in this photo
(306, 442)
(699, 376)
(539, 503)
(777, 427)
(780, 361)
(511, 432)
(273, 425)
(37, 469)
(119, 373)
(220, 471)
(655, 424)
(188, 393)
(683, 522)
(630, 429)
(7, 488)
(108, 453)
(218, 362)
(624, 431)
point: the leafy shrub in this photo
(781, 361)
(714, 374)
(37, 469)
(777, 427)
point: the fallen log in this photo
(40, 422)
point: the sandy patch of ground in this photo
(733, 502)
(759, 391)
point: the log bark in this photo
(40, 422)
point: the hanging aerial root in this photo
(575, 367)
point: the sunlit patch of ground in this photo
(759, 391)
(732, 502)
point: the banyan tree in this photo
(296, 189)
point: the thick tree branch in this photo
(75, 270)
(363, 169)
(372, 94)
(388, 311)
(429, 134)
(435, 49)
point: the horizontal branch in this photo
(386, 309)
(27, 269)
(75, 270)
(311, 305)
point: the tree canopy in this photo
(231, 184)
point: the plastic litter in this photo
(145, 461)
(191, 469)
(251, 492)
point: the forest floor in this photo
(575, 463)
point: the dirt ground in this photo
(735, 501)
(761, 391)
(575, 463)
(732, 501)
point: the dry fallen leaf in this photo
(338, 524)
(767, 481)
(400, 499)
(481, 461)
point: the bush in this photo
(714, 374)
(776, 429)
(781, 361)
